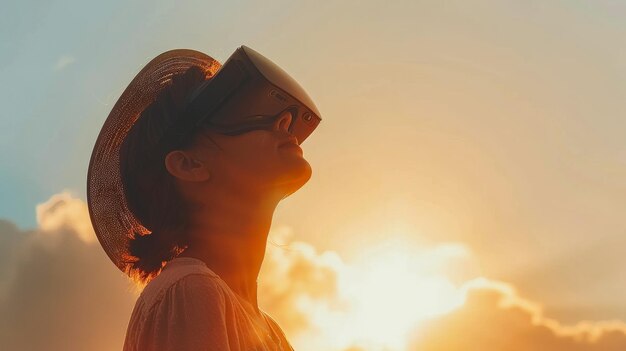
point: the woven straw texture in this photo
(111, 218)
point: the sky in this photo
(474, 148)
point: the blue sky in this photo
(66, 62)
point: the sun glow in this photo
(384, 294)
(392, 290)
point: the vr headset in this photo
(248, 92)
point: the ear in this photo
(184, 166)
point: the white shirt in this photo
(188, 307)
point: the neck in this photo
(230, 236)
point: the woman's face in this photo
(256, 159)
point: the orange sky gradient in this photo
(469, 172)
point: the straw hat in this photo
(111, 218)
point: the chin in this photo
(297, 178)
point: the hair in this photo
(149, 188)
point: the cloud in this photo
(57, 282)
(59, 291)
(324, 303)
(303, 289)
(63, 211)
(494, 317)
(295, 277)
(63, 62)
(11, 242)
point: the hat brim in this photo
(113, 222)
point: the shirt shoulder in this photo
(177, 274)
(279, 331)
(183, 308)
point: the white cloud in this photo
(64, 211)
(371, 303)
(63, 62)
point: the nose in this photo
(283, 121)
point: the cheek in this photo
(257, 154)
(257, 160)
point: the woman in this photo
(206, 207)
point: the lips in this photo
(290, 141)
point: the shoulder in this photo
(183, 281)
(196, 290)
(189, 314)
(278, 330)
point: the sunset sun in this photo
(390, 282)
